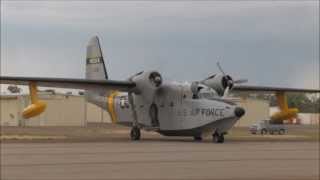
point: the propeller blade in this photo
(226, 92)
(240, 81)
(220, 68)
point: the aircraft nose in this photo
(239, 112)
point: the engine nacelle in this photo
(34, 109)
(147, 83)
(219, 83)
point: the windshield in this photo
(207, 93)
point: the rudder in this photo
(95, 67)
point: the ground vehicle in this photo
(264, 127)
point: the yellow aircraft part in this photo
(111, 107)
(285, 113)
(282, 101)
(36, 107)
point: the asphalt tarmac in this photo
(160, 159)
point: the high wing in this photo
(272, 89)
(285, 112)
(85, 84)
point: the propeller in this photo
(155, 79)
(220, 68)
(228, 82)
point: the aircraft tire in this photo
(264, 131)
(221, 138)
(197, 138)
(218, 138)
(282, 132)
(135, 134)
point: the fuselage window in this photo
(124, 103)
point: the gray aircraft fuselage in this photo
(173, 111)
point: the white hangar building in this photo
(62, 110)
(72, 110)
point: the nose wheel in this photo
(135, 133)
(197, 138)
(218, 138)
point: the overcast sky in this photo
(270, 43)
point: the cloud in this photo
(119, 14)
(307, 76)
(183, 40)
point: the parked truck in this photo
(265, 127)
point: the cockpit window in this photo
(207, 93)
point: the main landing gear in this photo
(135, 133)
(197, 138)
(218, 138)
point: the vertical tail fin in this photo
(95, 67)
(95, 70)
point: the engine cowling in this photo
(147, 83)
(219, 83)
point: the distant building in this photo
(309, 118)
(9, 110)
(256, 110)
(62, 110)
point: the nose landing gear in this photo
(197, 138)
(218, 137)
(135, 133)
